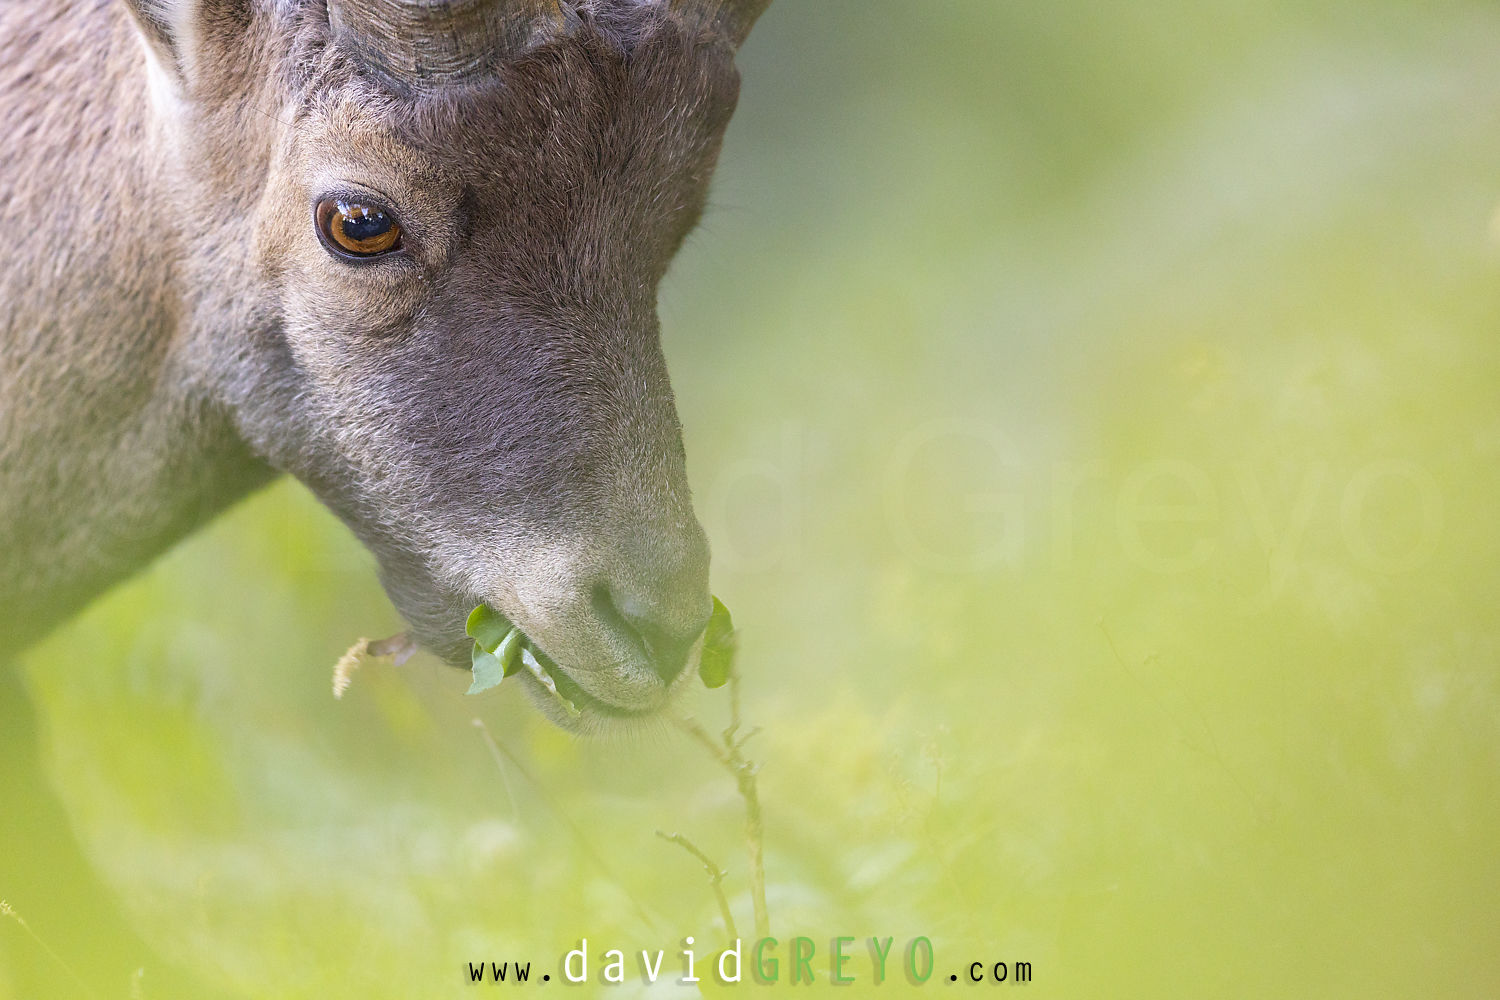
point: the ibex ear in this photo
(173, 30)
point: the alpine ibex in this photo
(404, 250)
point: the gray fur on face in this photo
(487, 409)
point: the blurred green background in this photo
(1094, 411)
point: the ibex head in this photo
(425, 253)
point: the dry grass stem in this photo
(397, 648)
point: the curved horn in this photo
(425, 44)
(731, 19)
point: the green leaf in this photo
(716, 662)
(487, 627)
(488, 671)
(509, 651)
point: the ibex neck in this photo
(108, 452)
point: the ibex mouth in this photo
(570, 690)
(500, 650)
(594, 716)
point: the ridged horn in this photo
(427, 44)
(731, 19)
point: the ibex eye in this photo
(357, 229)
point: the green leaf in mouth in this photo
(716, 662)
(488, 672)
(487, 627)
(509, 651)
(500, 649)
(497, 648)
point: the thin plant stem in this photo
(498, 749)
(499, 759)
(715, 876)
(729, 752)
(698, 733)
(6, 910)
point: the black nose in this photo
(659, 593)
(667, 644)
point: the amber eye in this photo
(357, 229)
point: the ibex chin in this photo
(404, 250)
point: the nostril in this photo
(667, 634)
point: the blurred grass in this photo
(1094, 413)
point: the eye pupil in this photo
(356, 229)
(362, 223)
